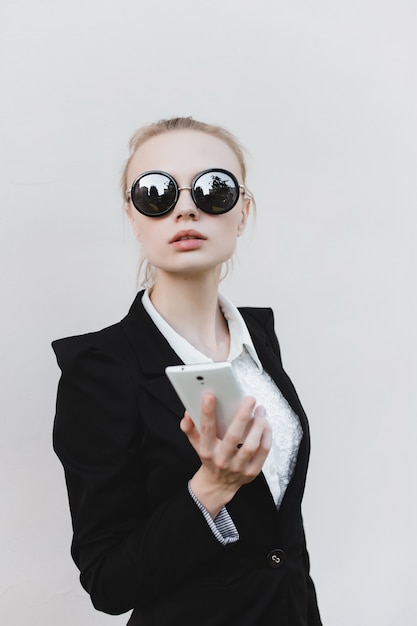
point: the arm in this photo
(127, 553)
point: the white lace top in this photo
(286, 430)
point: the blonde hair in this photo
(168, 125)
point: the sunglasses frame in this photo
(239, 188)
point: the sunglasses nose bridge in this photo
(190, 195)
(185, 204)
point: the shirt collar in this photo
(240, 338)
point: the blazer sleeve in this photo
(127, 554)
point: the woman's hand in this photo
(229, 463)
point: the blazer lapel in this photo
(153, 353)
(272, 364)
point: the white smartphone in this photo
(192, 381)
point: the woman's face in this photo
(184, 154)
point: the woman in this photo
(183, 527)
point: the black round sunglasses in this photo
(214, 191)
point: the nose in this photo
(185, 207)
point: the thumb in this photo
(188, 427)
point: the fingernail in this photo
(260, 411)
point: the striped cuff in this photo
(221, 526)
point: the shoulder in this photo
(107, 340)
(258, 317)
(257, 314)
(111, 340)
(261, 326)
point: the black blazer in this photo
(139, 540)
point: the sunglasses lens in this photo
(154, 194)
(216, 191)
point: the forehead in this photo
(183, 154)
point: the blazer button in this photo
(276, 558)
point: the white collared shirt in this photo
(239, 334)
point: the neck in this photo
(189, 303)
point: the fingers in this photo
(241, 424)
(187, 425)
(258, 441)
(203, 439)
(239, 457)
(259, 434)
(208, 415)
(208, 427)
(247, 442)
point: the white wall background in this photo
(323, 95)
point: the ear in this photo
(243, 217)
(133, 223)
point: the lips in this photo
(184, 235)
